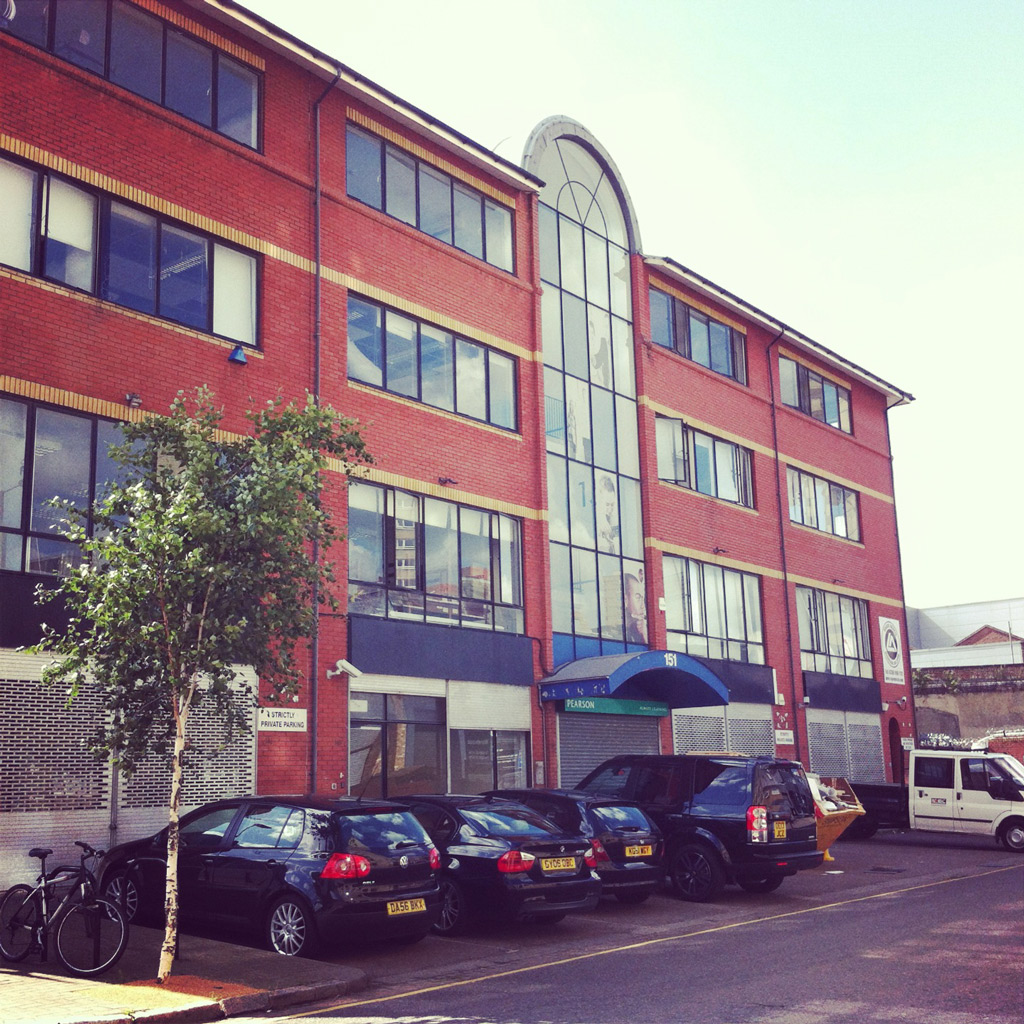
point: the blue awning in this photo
(668, 676)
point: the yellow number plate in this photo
(558, 864)
(406, 906)
(780, 830)
(638, 851)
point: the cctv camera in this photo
(340, 666)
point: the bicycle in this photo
(89, 933)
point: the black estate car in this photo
(501, 859)
(725, 817)
(298, 869)
(627, 844)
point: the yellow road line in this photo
(649, 942)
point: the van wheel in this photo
(1011, 835)
(769, 884)
(696, 874)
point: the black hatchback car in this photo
(296, 869)
(502, 859)
(627, 844)
(747, 819)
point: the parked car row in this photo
(302, 870)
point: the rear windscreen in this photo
(508, 821)
(389, 831)
(613, 817)
(783, 789)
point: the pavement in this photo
(211, 980)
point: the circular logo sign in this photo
(891, 645)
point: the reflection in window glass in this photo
(435, 203)
(558, 500)
(574, 336)
(498, 224)
(502, 390)
(471, 380)
(70, 233)
(400, 174)
(584, 592)
(237, 101)
(402, 357)
(136, 51)
(437, 367)
(60, 468)
(130, 257)
(468, 220)
(363, 167)
(365, 342)
(184, 280)
(561, 589)
(571, 256)
(581, 505)
(80, 33)
(30, 22)
(189, 84)
(13, 417)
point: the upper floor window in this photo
(814, 395)
(822, 504)
(696, 336)
(47, 453)
(392, 351)
(704, 463)
(53, 228)
(417, 193)
(833, 633)
(136, 50)
(713, 611)
(427, 560)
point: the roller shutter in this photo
(584, 741)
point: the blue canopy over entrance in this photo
(670, 677)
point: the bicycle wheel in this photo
(19, 915)
(91, 937)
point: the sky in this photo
(854, 168)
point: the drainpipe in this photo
(314, 653)
(782, 537)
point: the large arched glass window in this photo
(596, 531)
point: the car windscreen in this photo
(613, 816)
(508, 821)
(783, 789)
(382, 831)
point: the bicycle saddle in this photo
(38, 851)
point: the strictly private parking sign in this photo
(892, 651)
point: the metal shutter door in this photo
(584, 741)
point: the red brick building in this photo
(613, 505)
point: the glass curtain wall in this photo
(596, 533)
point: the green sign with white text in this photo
(611, 706)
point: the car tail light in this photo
(435, 859)
(515, 861)
(596, 852)
(757, 824)
(346, 865)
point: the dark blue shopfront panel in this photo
(843, 693)
(387, 647)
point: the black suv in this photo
(725, 817)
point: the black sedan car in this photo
(627, 844)
(501, 859)
(297, 869)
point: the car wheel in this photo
(1011, 835)
(123, 891)
(454, 909)
(769, 884)
(696, 874)
(632, 897)
(290, 929)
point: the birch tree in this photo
(199, 558)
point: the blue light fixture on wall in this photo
(238, 355)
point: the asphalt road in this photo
(903, 927)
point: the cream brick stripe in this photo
(771, 573)
(762, 449)
(412, 403)
(449, 493)
(69, 399)
(410, 147)
(702, 307)
(179, 20)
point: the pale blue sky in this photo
(853, 167)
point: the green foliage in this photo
(202, 557)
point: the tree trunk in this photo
(169, 949)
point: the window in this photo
(399, 354)
(704, 463)
(697, 336)
(47, 453)
(136, 50)
(396, 744)
(822, 504)
(814, 395)
(483, 759)
(404, 187)
(97, 244)
(427, 560)
(712, 611)
(833, 633)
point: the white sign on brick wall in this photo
(282, 720)
(892, 650)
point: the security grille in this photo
(744, 728)
(867, 758)
(828, 751)
(697, 732)
(750, 735)
(847, 744)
